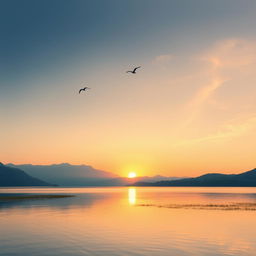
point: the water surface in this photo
(127, 221)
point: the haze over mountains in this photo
(81, 175)
(245, 179)
(67, 175)
(10, 176)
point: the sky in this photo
(190, 109)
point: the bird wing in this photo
(136, 69)
(128, 71)
(81, 90)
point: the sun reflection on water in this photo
(132, 196)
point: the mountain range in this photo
(67, 175)
(80, 175)
(83, 175)
(10, 176)
(245, 179)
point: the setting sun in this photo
(132, 175)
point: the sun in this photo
(132, 175)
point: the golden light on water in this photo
(132, 175)
(132, 196)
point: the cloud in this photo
(231, 53)
(201, 97)
(224, 62)
(227, 131)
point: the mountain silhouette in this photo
(246, 179)
(11, 177)
(81, 175)
(65, 174)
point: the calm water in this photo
(113, 221)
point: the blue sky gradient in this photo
(51, 48)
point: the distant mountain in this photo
(246, 179)
(127, 181)
(68, 175)
(158, 178)
(81, 175)
(11, 177)
(123, 181)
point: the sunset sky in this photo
(190, 109)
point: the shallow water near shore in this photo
(129, 221)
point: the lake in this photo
(129, 221)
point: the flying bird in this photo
(133, 71)
(84, 89)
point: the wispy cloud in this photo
(227, 131)
(202, 96)
(221, 64)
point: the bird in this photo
(133, 71)
(83, 89)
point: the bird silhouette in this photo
(133, 71)
(83, 89)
